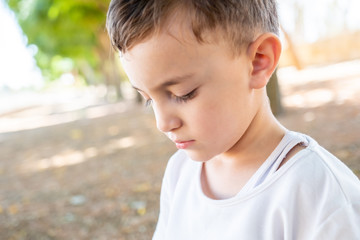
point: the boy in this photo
(238, 174)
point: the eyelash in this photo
(148, 102)
(179, 99)
(185, 97)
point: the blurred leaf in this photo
(63, 29)
(13, 209)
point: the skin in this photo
(210, 99)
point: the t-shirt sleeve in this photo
(171, 175)
(164, 211)
(341, 224)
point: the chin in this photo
(198, 157)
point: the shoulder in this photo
(319, 174)
(322, 191)
(340, 224)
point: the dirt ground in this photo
(97, 175)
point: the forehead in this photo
(164, 56)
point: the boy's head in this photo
(237, 21)
(180, 56)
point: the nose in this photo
(166, 118)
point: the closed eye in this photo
(180, 99)
(186, 97)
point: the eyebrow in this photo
(172, 81)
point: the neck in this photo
(224, 175)
(260, 139)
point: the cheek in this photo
(224, 119)
(209, 119)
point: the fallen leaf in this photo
(141, 211)
(76, 134)
(139, 206)
(110, 192)
(143, 187)
(13, 209)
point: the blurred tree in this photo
(70, 37)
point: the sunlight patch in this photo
(312, 99)
(61, 160)
(115, 145)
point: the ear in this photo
(264, 55)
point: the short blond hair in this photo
(131, 21)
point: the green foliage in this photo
(67, 29)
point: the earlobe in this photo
(264, 55)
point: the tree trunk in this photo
(87, 71)
(109, 65)
(139, 98)
(294, 54)
(273, 92)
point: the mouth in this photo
(184, 144)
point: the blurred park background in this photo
(80, 158)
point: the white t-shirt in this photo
(312, 196)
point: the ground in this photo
(95, 172)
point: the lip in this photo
(183, 144)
